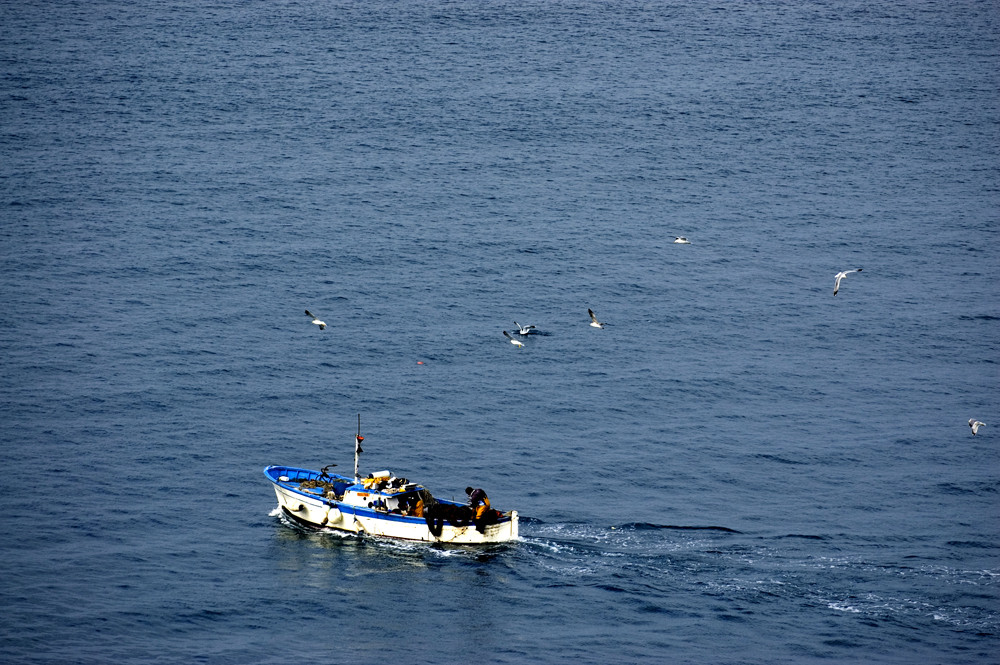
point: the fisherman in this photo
(417, 509)
(478, 501)
(413, 506)
(482, 514)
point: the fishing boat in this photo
(382, 504)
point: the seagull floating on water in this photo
(975, 425)
(681, 240)
(516, 342)
(593, 320)
(321, 324)
(523, 330)
(840, 276)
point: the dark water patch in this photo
(729, 617)
(974, 488)
(781, 460)
(647, 526)
(972, 544)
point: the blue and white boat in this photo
(382, 505)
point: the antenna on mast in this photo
(357, 449)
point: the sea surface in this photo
(740, 468)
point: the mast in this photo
(357, 449)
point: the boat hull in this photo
(322, 512)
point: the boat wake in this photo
(618, 540)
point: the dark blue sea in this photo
(740, 468)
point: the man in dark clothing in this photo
(480, 504)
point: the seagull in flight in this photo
(516, 342)
(523, 330)
(321, 324)
(681, 240)
(975, 425)
(593, 320)
(840, 276)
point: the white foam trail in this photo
(843, 607)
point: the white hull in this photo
(317, 512)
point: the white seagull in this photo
(593, 320)
(516, 342)
(840, 276)
(321, 324)
(975, 425)
(681, 240)
(523, 330)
